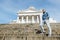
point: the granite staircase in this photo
(28, 32)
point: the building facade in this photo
(30, 15)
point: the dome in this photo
(31, 8)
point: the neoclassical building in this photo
(22, 31)
(30, 15)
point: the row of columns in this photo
(27, 19)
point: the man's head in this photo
(43, 10)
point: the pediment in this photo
(30, 9)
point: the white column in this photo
(22, 19)
(33, 19)
(37, 19)
(26, 19)
(18, 21)
(41, 18)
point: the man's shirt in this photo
(45, 16)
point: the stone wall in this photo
(28, 32)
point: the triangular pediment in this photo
(30, 9)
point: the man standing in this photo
(45, 20)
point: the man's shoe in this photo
(48, 35)
(38, 32)
(44, 32)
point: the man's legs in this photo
(49, 28)
(41, 26)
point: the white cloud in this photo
(51, 20)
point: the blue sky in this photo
(9, 8)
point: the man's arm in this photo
(47, 15)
